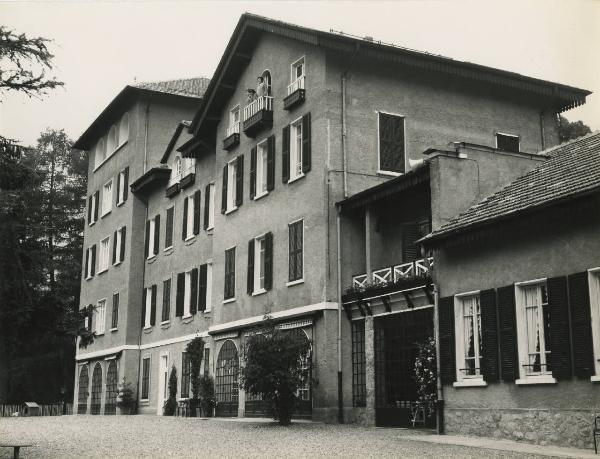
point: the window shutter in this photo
(581, 325)
(268, 261)
(153, 306)
(560, 346)
(410, 235)
(202, 288)
(91, 198)
(252, 173)
(169, 228)
(447, 349)
(147, 242)
(87, 263)
(306, 153)
(114, 251)
(224, 191)
(508, 333)
(489, 332)
(115, 311)
(156, 233)
(197, 200)
(144, 307)
(97, 203)
(250, 283)
(206, 205)
(285, 154)
(194, 291)
(118, 188)
(126, 184)
(166, 309)
(179, 295)
(90, 316)
(239, 181)
(123, 239)
(93, 260)
(271, 163)
(185, 216)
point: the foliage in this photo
(195, 352)
(170, 405)
(426, 375)
(568, 130)
(125, 396)
(23, 64)
(273, 370)
(207, 394)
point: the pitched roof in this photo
(190, 87)
(572, 170)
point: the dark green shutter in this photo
(239, 181)
(252, 173)
(147, 241)
(202, 287)
(126, 184)
(250, 282)
(123, 239)
(87, 263)
(197, 201)
(114, 251)
(581, 325)
(118, 187)
(285, 154)
(206, 206)
(306, 152)
(93, 273)
(166, 308)
(224, 190)
(271, 163)
(508, 333)
(489, 336)
(97, 199)
(447, 346)
(194, 291)
(179, 295)
(559, 345)
(268, 261)
(185, 217)
(144, 307)
(410, 235)
(91, 198)
(153, 306)
(169, 227)
(156, 233)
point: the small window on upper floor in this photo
(297, 76)
(107, 196)
(124, 129)
(234, 121)
(100, 152)
(263, 87)
(392, 145)
(112, 141)
(508, 142)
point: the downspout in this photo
(440, 393)
(344, 130)
(339, 331)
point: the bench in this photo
(17, 447)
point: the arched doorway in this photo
(110, 405)
(304, 408)
(226, 380)
(96, 389)
(84, 381)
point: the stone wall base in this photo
(542, 427)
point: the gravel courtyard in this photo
(151, 436)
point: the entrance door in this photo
(163, 378)
(226, 380)
(396, 340)
(110, 403)
(84, 381)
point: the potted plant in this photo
(125, 398)
(170, 405)
(195, 351)
(207, 395)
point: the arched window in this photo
(226, 380)
(305, 364)
(100, 151)
(111, 142)
(124, 129)
(84, 381)
(111, 388)
(177, 166)
(266, 75)
(96, 389)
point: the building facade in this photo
(238, 218)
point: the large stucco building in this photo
(278, 201)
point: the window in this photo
(145, 378)
(122, 184)
(359, 379)
(124, 129)
(93, 208)
(169, 228)
(297, 76)
(234, 121)
(166, 307)
(233, 185)
(90, 262)
(594, 292)
(187, 294)
(100, 152)
(296, 149)
(508, 142)
(149, 307)
(533, 329)
(119, 245)
(229, 292)
(178, 168)
(185, 375)
(104, 254)
(191, 215)
(152, 236)
(100, 317)
(467, 319)
(392, 147)
(114, 322)
(260, 264)
(107, 197)
(261, 169)
(232, 181)
(209, 271)
(209, 206)
(296, 251)
(111, 142)
(266, 75)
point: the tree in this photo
(170, 405)
(273, 369)
(23, 64)
(568, 130)
(195, 352)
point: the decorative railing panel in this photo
(261, 103)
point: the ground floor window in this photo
(226, 380)
(96, 389)
(111, 388)
(84, 380)
(468, 335)
(185, 375)
(359, 385)
(145, 378)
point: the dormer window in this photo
(508, 142)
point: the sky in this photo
(101, 46)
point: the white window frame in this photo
(211, 206)
(118, 242)
(295, 156)
(151, 248)
(121, 181)
(294, 65)
(187, 295)
(235, 280)
(189, 223)
(149, 358)
(259, 268)
(93, 210)
(379, 169)
(209, 275)
(462, 379)
(104, 255)
(234, 125)
(148, 308)
(262, 155)
(107, 197)
(88, 273)
(594, 292)
(100, 317)
(231, 185)
(544, 376)
(301, 280)
(518, 137)
(100, 152)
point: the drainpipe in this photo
(344, 131)
(339, 331)
(440, 394)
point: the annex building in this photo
(295, 183)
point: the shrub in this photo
(207, 394)
(125, 397)
(426, 375)
(170, 405)
(273, 370)
(195, 352)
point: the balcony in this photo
(393, 274)
(296, 94)
(183, 179)
(258, 115)
(232, 139)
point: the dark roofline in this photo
(118, 104)
(173, 140)
(566, 96)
